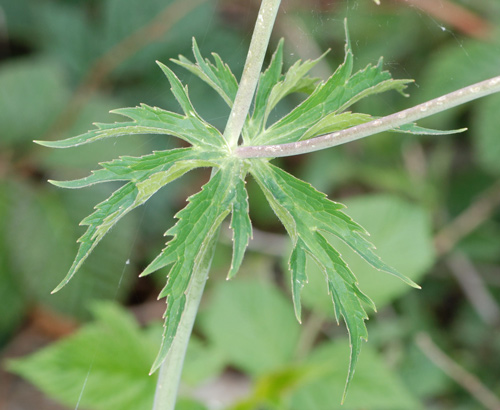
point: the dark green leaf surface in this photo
(193, 233)
(125, 199)
(332, 97)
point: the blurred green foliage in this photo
(403, 189)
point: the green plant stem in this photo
(251, 72)
(171, 369)
(389, 122)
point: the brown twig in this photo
(475, 215)
(456, 372)
(107, 63)
(474, 288)
(455, 15)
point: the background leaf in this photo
(238, 323)
(108, 355)
(374, 386)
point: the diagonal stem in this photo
(171, 369)
(251, 72)
(389, 122)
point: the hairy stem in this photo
(171, 369)
(251, 72)
(389, 122)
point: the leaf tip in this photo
(59, 287)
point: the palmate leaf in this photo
(123, 200)
(192, 235)
(189, 127)
(307, 214)
(218, 76)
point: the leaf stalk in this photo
(389, 122)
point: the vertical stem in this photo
(251, 72)
(171, 369)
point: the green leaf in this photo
(310, 215)
(106, 356)
(218, 76)
(139, 168)
(197, 225)
(40, 255)
(125, 199)
(335, 122)
(402, 233)
(297, 265)
(33, 89)
(255, 124)
(376, 386)
(241, 226)
(153, 120)
(332, 97)
(203, 362)
(252, 324)
(312, 109)
(147, 120)
(412, 128)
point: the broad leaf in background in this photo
(375, 387)
(110, 355)
(55, 214)
(33, 89)
(402, 234)
(252, 323)
(449, 69)
(203, 362)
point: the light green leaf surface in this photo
(252, 323)
(153, 120)
(309, 217)
(109, 355)
(147, 120)
(241, 226)
(375, 387)
(255, 124)
(29, 88)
